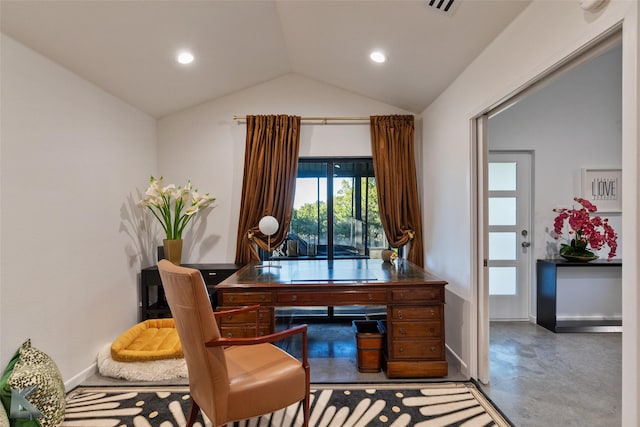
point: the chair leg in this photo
(305, 408)
(193, 413)
(307, 395)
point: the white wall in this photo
(589, 293)
(71, 156)
(205, 145)
(573, 123)
(543, 35)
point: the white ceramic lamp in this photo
(268, 226)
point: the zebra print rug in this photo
(393, 405)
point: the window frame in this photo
(329, 175)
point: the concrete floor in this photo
(333, 357)
(538, 378)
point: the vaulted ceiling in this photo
(128, 47)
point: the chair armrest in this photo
(269, 338)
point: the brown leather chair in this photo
(231, 379)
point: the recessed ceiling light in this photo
(377, 56)
(184, 57)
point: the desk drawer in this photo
(416, 295)
(414, 349)
(240, 325)
(246, 317)
(416, 329)
(243, 331)
(375, 297)
(246, 298)
(416, 313)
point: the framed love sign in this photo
(603, 188)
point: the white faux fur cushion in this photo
(155, 370)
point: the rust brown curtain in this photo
(396, 182)
(269, 184)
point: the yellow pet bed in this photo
(153, 339)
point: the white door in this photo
(509, 233)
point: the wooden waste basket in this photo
(370, 335)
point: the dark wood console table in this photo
(415, 345)
(547, 275)
(153, 304)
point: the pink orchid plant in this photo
(584, 230)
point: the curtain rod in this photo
(322, 119)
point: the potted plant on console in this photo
(586, 233)
(174, 206)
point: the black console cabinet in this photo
(546, 271)
(153, 304)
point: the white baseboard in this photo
(457, 361)
(589, 318)
(78, 379)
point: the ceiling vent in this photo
(445, 6)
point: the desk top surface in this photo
(351, 272)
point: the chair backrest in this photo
(191, 309)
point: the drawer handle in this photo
(262, 297)
(400, 314)
(432, 312)
(294, 298)
(261, 316)
(401, 349)
(229, 317)
(401, 295)
(231, 298)
(369, 297)
(432, 330)
(402, 331)
(229, 335)
(433, 349)
(213, 273)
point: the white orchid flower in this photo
(201, 200)
(192, 210)
(206, 201)
(158, 201)
(170, 190)
(183, 194)
(168, 203)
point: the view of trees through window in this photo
(337, 217)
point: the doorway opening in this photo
(568, 120)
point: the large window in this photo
(335, 211)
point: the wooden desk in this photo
(414, 300)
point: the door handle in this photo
(526, 244)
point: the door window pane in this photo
(502, 177)
(502, 211)
(502, 280)
(347, 221)
(309, 219)
(502, 246)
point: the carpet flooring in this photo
(394, 405)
